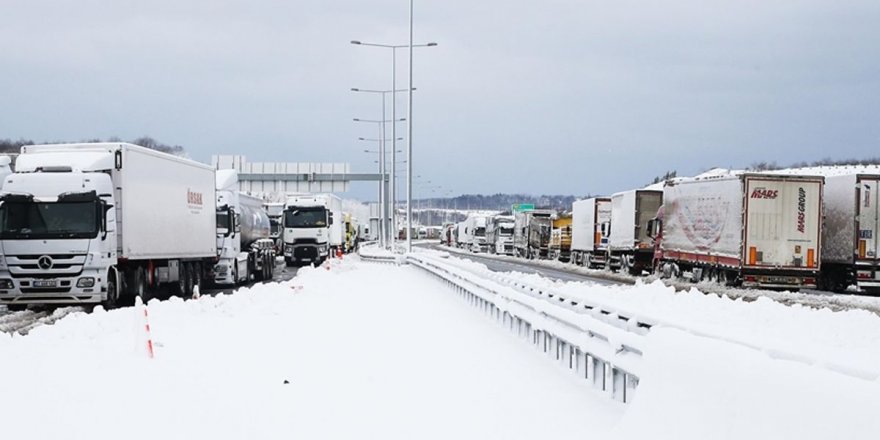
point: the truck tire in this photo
(139, 285)
(112, 291)
(188, 280)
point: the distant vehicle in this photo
(560, 239)
(757, 230)
(104, 222)
(5, 168)
(275, 211)
(591, 222)
(499, 235)
(351, 231)
(851, 251)
(462, 237)
(475, 233)
(312, 228)
(630, 248)
(244, 241)
(531, 233)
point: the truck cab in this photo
(306, 236)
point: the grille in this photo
(305, 252)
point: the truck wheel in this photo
(112, 291)
(16, 307)
(189, 281)
(139, 285)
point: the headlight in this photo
(85, 282)
(6, 284)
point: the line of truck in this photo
(765, 230)
(103, 223)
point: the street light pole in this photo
(382, 184)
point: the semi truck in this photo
(275, 211)
(851, 252)
(99, 223)
(630, 249)
(531, 233)
(560, 238)
(246, 249)
(499, 235)
(475, 232)
(312, 228)
(591, 223)
(750, 229)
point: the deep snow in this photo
(369, 351)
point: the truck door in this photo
(869, 220)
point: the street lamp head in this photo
(431, 44)
(353, 89)
(355, 42)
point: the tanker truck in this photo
(96, 223)
(243, 234)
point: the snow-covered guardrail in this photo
(600, 345)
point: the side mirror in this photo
(105, 207)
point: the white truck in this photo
(531, 233)
(629, 247)
(243, 234)
(499, 235)
(851, 250)
(591, 222)
(313, 228)
(462, 238)
(754, 230)
(101, 222)
(475, 230)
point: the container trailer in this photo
(851, 252)
(629, 247)
(560, 239)
(591, 222)
(757, 230)
(97, 223)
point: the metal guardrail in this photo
(599, 345)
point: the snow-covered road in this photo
(368, 351)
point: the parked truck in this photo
(755, 230)
(560, 238)
(475, 232)
(102, 222)
(851, 251)
(531, 233)
(312, 228)
(275, 211)
(591, 223)
(243, 234)
(499, 235)
(630, 249)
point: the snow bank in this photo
(363, 358)
(700, 388)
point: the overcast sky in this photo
(546, 96)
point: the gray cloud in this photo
(542, 97)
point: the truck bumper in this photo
(868, 277)
(223, 272)
(306, 252)
(60, 290)
(781, 281)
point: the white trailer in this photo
(851, 250)
(313, 228)
(98, 222)
(244, 241)
(591, 222)
(629, 246)
(463, 238)
(758, 230)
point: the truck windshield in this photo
(305, 218)
(48, 220)
(480, 232)
(506, 231)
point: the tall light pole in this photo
(383, 227)
(394, 48)
(382, 145)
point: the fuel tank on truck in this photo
(253, 220)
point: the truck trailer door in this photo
(869, 220)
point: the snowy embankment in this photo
(812, 299)
(366, 351)
(737, 369)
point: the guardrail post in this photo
(598, 373)
(618, 384)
